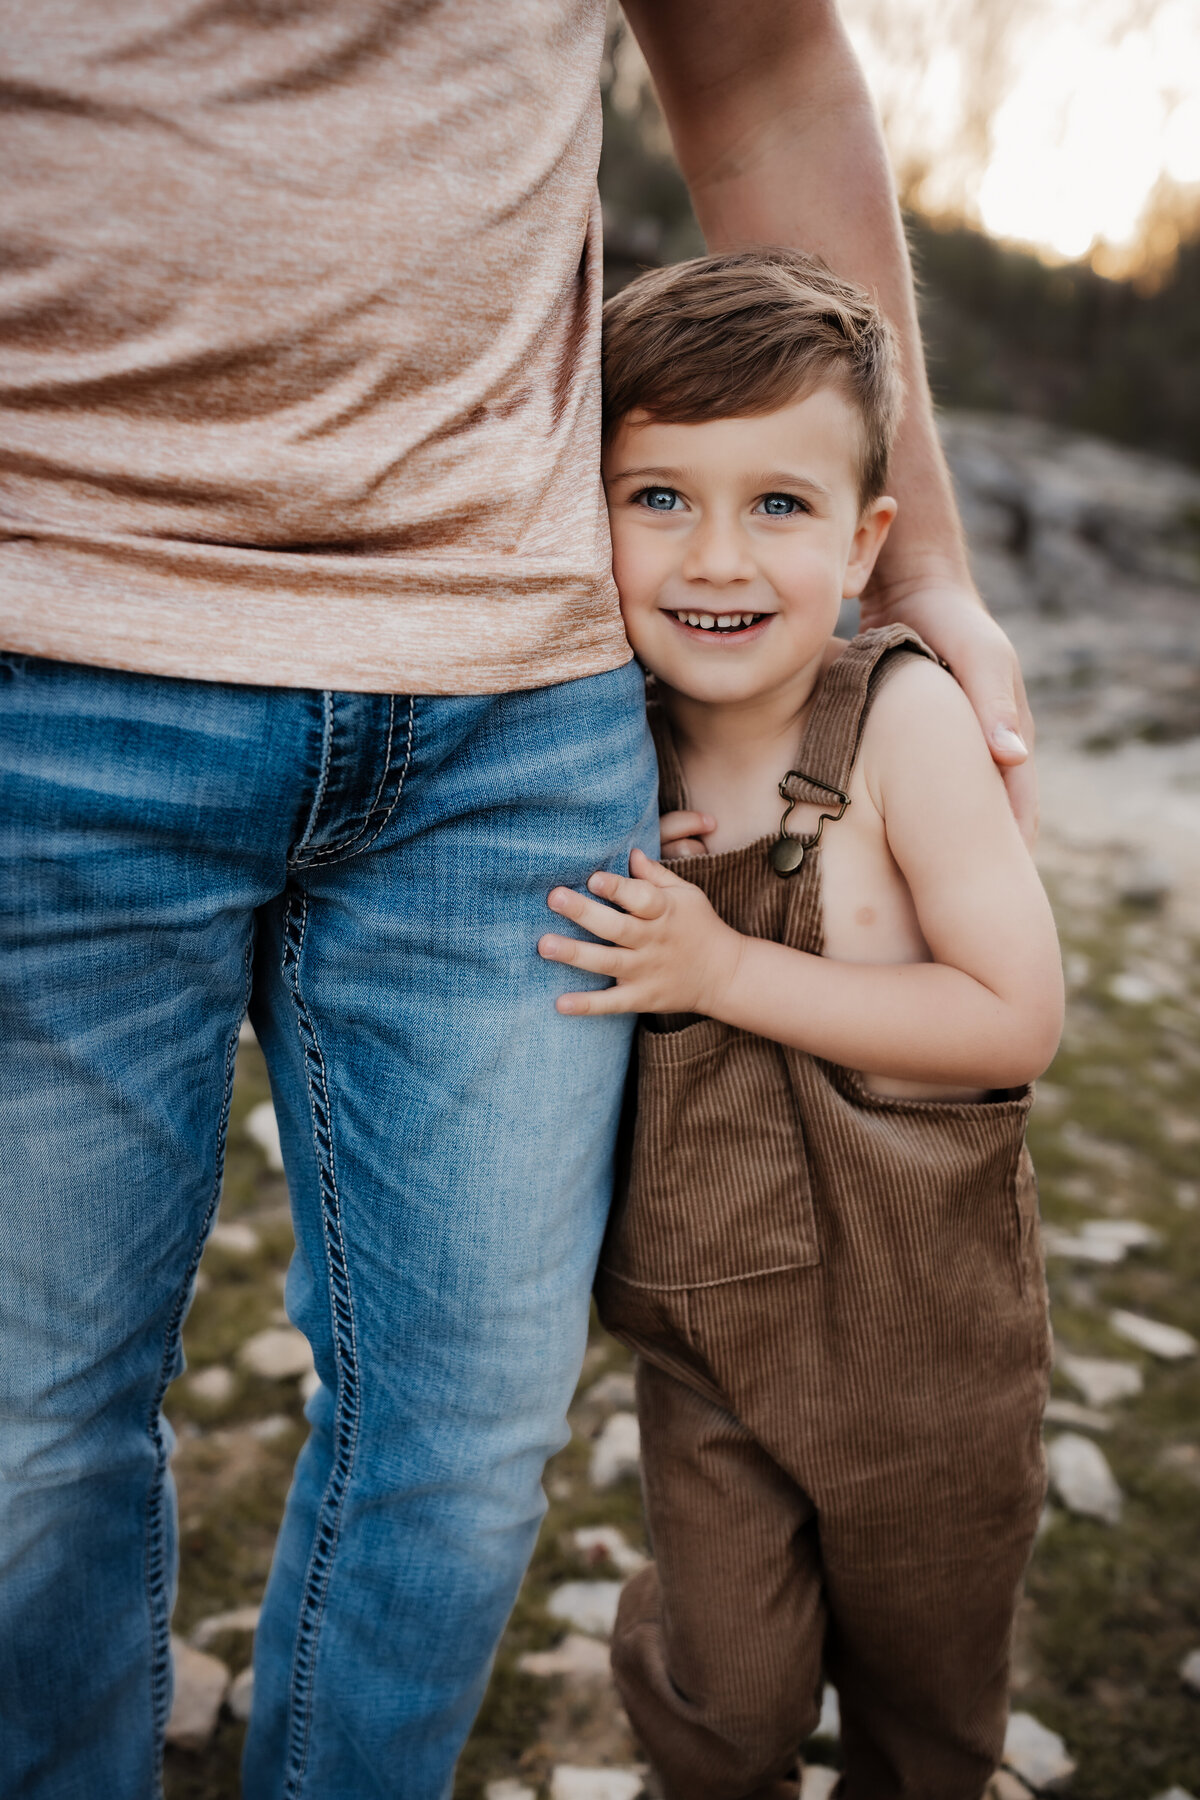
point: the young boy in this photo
(826, 1254)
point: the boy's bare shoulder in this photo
(921, 717)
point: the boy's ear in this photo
(875, 521)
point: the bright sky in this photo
(1091, 103)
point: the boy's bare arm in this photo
(986, 1012)
(778, 139)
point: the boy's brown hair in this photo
(725, 336)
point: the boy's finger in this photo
(602, 921)
(638, 898)
(597, 959)
(646, 869)
(675, 825)
(595, 1002)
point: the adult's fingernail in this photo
(1010, 741)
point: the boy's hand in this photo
(664, 946)
(683, 833)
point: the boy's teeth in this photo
(716, 621)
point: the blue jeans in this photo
(368, 874)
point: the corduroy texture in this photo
(839, 1309)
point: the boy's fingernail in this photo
(1010, 741)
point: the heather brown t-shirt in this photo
(299, 315)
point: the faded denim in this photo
(368, 875)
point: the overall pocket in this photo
(718, 1186)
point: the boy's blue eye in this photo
(780, 506)
(658, 499)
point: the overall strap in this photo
(829, 748)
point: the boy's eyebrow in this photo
(772, 478)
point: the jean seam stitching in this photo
(347, 852)
(322, 779)
(156, 1574)
(346, 1414)
(337, 850)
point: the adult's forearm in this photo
(779, 142)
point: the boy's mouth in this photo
(732, 624)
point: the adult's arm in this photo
(779, 142)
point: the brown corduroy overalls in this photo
(839, 1311)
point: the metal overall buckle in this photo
(787, 852)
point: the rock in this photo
(604, 1542)
(1182, 1459)
(246, 1033)
(617, 1450)
(1165, 1341)
(238, 1239)
(214, 1385)
(508, 1790)
(1083, 1418)
(308, 1385)
(1189, 1671)
(240, 1697)
(817, 1782)
(1131, 1234)
(577, 1658)
(1083, 1479)
(590, 1606)
(571, 1783)
(1036, 1754)
(239, 1618)
(265, 1431)
(1101, 1380)
(829, 1725)
(1134, 989)
(262, 1128)
(1145, 881)
(616, 1389)
(279, 1353)
(1005, 1786)
(1080, 1249)
(1174, 1793)
(201, 1683)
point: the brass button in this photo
(786, 853)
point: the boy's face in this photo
(735, 542)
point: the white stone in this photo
(201, 1683)
(1189, 1671)
(308, 1385)
(239, 1618)
(568, 1782)
(1174, 1793)
(1080, 1249)
(265, 1431)
(1082, 1478)
(616, 1451)
(246, 1033)
(238, 1239)
(1131, 1234)
(1134, 989)
(829, 1725)
(262, 1128)
(508, 1790)
(1005, 1786)
(599, 1541)
(818, 1782)
(280, 1353)
(1082, 1418)
(614, 1389)
(240, 1697)
(590, 1606)
(1035, 1753)
(214, 1385)
(577, 1658)
(1165, 1341)
(1101, 1379)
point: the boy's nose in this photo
(718, 554)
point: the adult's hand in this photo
(777, 137)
